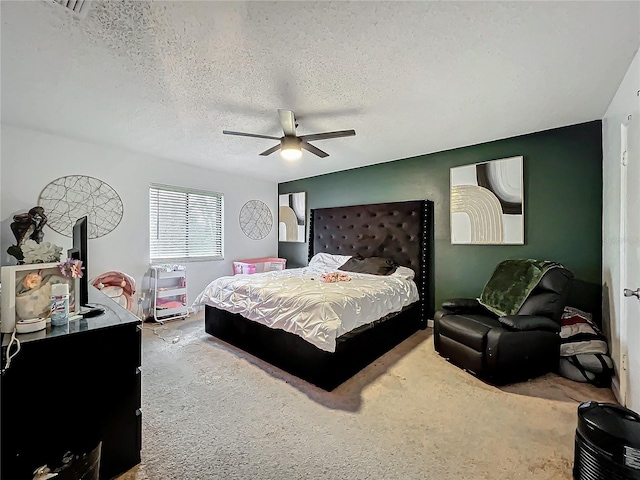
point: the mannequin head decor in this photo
(27, 226)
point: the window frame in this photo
(187, 191)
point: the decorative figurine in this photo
(27, 226)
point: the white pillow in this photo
(328, 260)
(404, 272)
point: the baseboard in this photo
(429, 323)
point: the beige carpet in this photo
(211, 411)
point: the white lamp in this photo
(290, 149)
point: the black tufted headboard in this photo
(399, 230)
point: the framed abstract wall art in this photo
(255, 219)
(487, 203)
(292, 217)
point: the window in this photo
(184, 224)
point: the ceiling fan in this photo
(290, 144)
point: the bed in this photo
(401, 231)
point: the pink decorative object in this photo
(32, 280)
(119, 286)
(335, 277)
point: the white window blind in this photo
(185, 224)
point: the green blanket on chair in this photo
(511, 284)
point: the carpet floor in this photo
(211, 411)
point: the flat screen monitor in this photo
(79, 252)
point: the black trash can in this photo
(607, 443)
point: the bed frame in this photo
(401, 231)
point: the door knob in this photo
(632, 293)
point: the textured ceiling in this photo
(165, 78)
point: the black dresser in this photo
(70, 388)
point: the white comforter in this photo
(297, 301)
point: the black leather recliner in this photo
(505, 349)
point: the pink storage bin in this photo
(258, 265)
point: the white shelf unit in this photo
(169, 286)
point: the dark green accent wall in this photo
(563, 203)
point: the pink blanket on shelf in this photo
(169, 303)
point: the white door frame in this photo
(623, 377)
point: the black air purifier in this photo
(607, 443)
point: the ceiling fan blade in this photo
(315, 150)
(288, 122)
(271, 150)
(242, 134)
(325, 135)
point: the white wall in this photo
(31, 159)
(624, 102)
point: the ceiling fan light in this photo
(291, 153)
(290, 148)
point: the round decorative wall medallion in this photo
(256, 219)
(69, 198)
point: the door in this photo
(630, 262)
